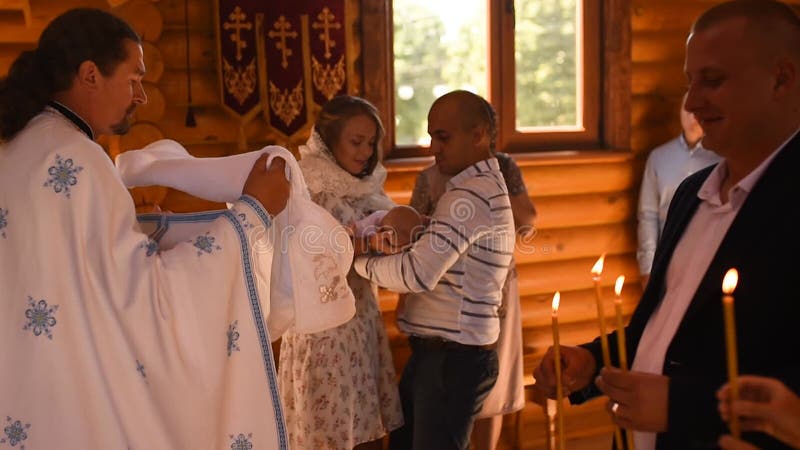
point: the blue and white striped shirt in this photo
(455, 271)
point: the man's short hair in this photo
(770, 19)
(475, 111)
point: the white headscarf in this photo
(346, 197)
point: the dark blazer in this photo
(763, 244)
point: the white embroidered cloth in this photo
(108, 342)
(345, 196)
(309, 289)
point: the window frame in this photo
(606, 121)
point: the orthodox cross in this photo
(238, 17)
(327, 24)
(283, 26)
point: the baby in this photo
(391, 231)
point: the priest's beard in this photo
(124, 125)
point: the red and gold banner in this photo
(284, 58)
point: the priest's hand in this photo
(636, 400)
(268, 186)
(765, 405)
(577, 369)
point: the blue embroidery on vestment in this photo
(150, 245)
(233, 337)
(261, 329)
(241, 442)
(62, 175)
(15, 433)
(140, 369)
(205, 244)
(245, 223)
(41, 317)
(3, 222)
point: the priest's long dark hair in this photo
(70, 39)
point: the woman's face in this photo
(356, 144)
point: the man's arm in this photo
(444, 240)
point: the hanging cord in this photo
(190, 120)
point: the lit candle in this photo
(728, 286)
(597, 270)
(623, 353)
(557, 360)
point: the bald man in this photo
(454, 274)
(743, 69)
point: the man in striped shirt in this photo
(454, 275)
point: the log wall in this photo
(586, 201)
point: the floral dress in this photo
(339, 386)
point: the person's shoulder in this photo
(666, 149)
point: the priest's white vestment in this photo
(107, 341)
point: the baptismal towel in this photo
(307, 272)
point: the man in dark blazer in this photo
(743, 71)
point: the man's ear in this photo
(479, 133)
(785, 77)
(89, 75)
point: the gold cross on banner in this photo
(283, 26)
(326, 23)
(238, 24)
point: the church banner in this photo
(284, 58)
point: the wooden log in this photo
(153, 62)
(577, 306)
(583, 209)
(570, 275)
(201, 14)
(663, 78)
(205, 88)
(674, 15)
(559, 244)
(649, 110)
(202, 50)
(578, 178)
(154, 109)
(144, 17)
(41, 15)
(140, 135)
(213, 126)
(644, 139)
(659, 46)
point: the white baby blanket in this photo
(307, 272)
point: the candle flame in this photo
(556, 301)
(597, 269)
(730, 281)
(618, 285)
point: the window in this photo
(545, 65)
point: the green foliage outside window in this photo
(429, 61)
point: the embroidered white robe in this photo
(107, 341)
